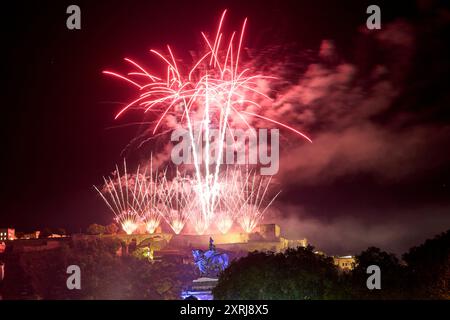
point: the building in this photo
(7, 234)
(56, 235)
(269, 231)
(266, 237)
(345, 263)
(32, 235)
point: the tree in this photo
(95, 229)
(392, 275)
(295, 274)
(428, 267)
(112, 228)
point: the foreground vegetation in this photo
(423, 273)
(42, 275)
(299, 273)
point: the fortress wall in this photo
(202, 241)
(274, 246)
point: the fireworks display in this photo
(177, 201)
(119, 193)
(146, 197)
(214, 93)
(253, 200)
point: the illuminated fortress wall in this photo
(266, 237)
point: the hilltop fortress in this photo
(265, 237)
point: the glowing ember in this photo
(224, 222)
(177, 225)
(249, 218)
(118, 195)
(151, 225)
(128, 225)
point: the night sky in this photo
(375, 103)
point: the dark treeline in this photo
(104, 274)
(423, 273)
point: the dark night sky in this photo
(57, 110)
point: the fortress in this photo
(265, 237)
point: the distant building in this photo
(56, 235)
(32, 235)
(345, 263)
(7, 234)
(269, 231)
(266, 237)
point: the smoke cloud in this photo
(350, 234)
(353, 115)
(375, 119)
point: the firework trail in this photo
(229, 200)
(177, 200)
(254, 200)
(146, 198)
(246, 197)
(215, 91)
(117, 192)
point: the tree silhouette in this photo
(429, 268)
(295, 274)
(95, 229)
